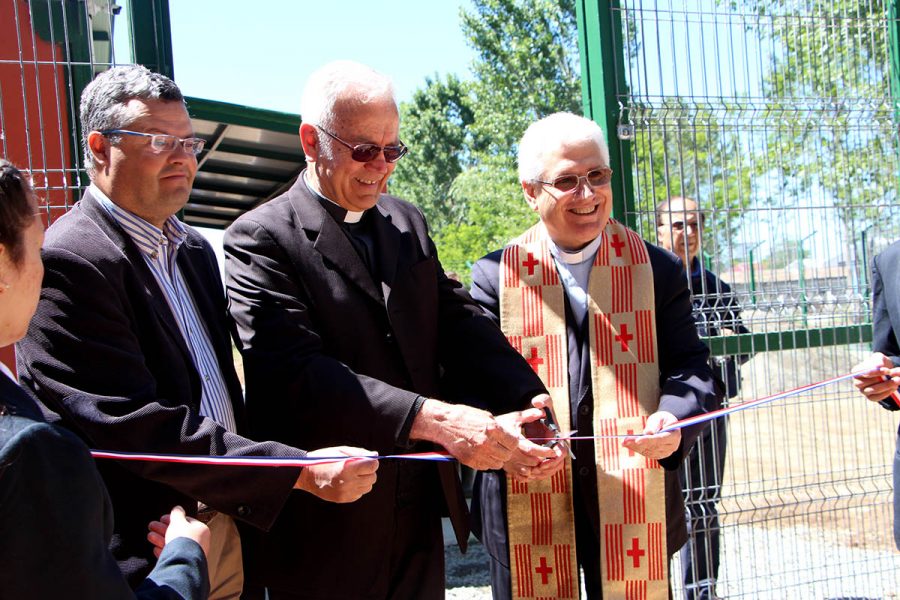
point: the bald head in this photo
(679, 227)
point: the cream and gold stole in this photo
(625, 379)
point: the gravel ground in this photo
(758, 563)
(467, 574)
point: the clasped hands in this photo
(513, 441)
(482, 441)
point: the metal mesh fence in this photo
(778, 118)
(50, 49)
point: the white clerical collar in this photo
(352, 216)
(579, 256)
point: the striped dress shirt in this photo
(159, 248)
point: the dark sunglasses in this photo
(366, 152)
(567, 183)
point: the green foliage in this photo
(829, 118)
(436, 127)
(497, 212)
(686, 151)
(527, 65)
(463, 135)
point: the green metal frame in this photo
(248, 116)
(894, 34)
(748, 343)
(66, 23)
(602, 53)
(602, 78)
(151, 35)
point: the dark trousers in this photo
(701, 478)
(415, 558)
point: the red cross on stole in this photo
(623, 364)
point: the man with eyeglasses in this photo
(346, 323)
(605, 319)
(679, 225)
(130, 348)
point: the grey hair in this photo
(341, 80)
(548, 133)
(103, 100)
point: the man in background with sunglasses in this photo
(129, 347)
(346, 322)
(679, 229)
(605, 319)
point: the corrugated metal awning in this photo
(251, 156)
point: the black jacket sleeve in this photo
(56, 522)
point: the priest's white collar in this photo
(579, 256)
(352, 216)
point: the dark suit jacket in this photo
(106, 359)
(886, 324)
(716, 308)
(686, 385)
(56, 519)
(332, 357)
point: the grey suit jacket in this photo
(886, 324)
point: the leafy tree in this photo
(526, 68)
(829, 119)
(464, 134)
(436, 126)
(690, 153)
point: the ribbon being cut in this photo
(526, 520)
(269, 461)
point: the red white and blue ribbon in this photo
(273, 461)
(261, 461)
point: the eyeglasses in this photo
(681, 225)
(160, 142)
(367, 152)
(568, 183)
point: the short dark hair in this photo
(103, 100)
(16, 209)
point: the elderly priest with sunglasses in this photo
(605, 320)
(129, 347)
(346, 322)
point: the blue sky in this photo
(260, 53)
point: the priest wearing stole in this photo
(605, 320)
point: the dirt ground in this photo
(821, 459)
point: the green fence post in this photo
(893, 25)
(151, 36)
(801, 268)
(753, 273)
(602, 85)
